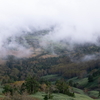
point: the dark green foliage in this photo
(90, 78)
(48, 91)
(96, 73)
(64, 88)
(32, 85)
(48, 96)
(99, 94)
(9, 89)
(71, 83)
(45, 97)
(22, 89)
(76, 84)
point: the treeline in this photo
(19, 69)
(32, 85)
(73, 69)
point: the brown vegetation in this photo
(17, 96)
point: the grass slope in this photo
(59, 96)
(52, 77)
(84, 82)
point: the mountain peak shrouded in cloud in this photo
(75, 21)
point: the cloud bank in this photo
(75, 21)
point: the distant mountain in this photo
(37, 44)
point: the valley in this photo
(78, 65)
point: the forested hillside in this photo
(78, 67)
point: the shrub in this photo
(17, 96)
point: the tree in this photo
(31, 85)
(64, 88)
(90, 78)
(71, 83)
(8, 89)
(61, 86)
(99, 94)
(22, 89)
(48, 91)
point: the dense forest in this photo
(19, 69)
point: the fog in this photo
(74, 21)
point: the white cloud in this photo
(78, 20)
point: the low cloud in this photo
(74, 21)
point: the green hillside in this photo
(64, 97)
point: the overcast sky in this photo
(77, 20)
